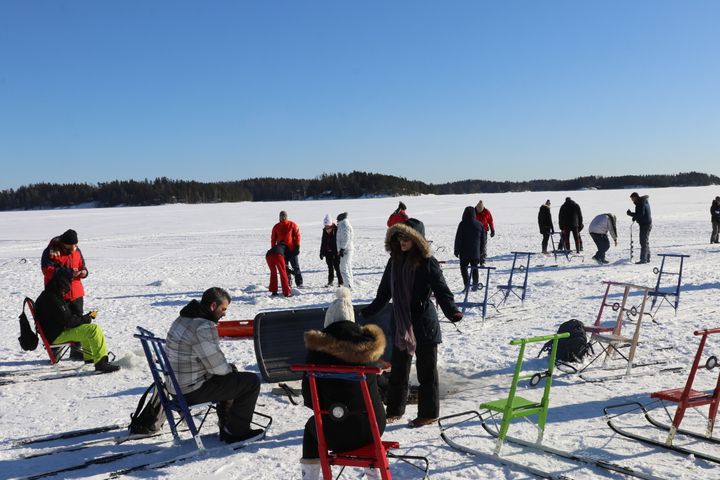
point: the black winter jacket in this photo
(469, 235)
(328, 244)
(715, 211)
(545, 222)
(346, 343)
(642, 213)
(570, 216)
(53, 313)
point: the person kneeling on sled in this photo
(342, 342)
(61, 324)
(204, 375)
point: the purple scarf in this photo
(401, 284)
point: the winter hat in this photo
(480, 207)
(401, 206)
(69, 237)
(416, 225)
(341, 309)
(342, 216)
(634, 195)
(326, 221)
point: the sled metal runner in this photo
(59, 376)
(69, 434)
(538, 447)
(656, 426)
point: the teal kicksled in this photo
(513, 407)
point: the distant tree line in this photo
(337, 185)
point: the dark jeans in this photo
(296, 270)
(464, 263)
(565, 239)
(715, 231)
(429, 391)
(483, 246)
(645, 242)
(236, 394)
(603, 244)
(546, 237)
(333, 265)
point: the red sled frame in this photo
(63, 348)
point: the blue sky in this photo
(436, 91)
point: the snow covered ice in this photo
(145, 263)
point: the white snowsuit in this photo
(345, 243)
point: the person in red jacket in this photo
(484, 216)
(287, 232)
(398, 216)
(62, 251)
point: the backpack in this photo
(28, 338)
(149, 416)
(573, 348)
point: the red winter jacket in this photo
(287, 232)
(485, 217)
(398, 216)
(54, 256)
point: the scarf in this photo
(402, 278)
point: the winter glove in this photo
(456, 317)
(492, 233)
(93, 314)
(341, 252)
(297, 251)
(630, 214)
(88, 317)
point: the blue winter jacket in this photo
(642, 211)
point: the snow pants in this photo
(90, 337)
(483, 246)
(427, 375)
(464, 264)
(295, 265)
(715, 232)
(276, 262)
(333, 265)
(603, 245)
(346, 268)
(645, 241)
(236, 394)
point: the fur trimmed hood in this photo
(366, 346)
(418, 239)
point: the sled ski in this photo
(111, 440)
(657, 426)
(68, 434)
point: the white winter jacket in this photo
(344, 235)
(604, 224)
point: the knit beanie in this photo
(480, 207)
(326, 221)
(341, 309)
(401, 206)
(69, 237)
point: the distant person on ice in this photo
(276, 259)
(545, 224)
(570, 220)
(715, 218)
(342, 342)
(398, 216)
(61, 324)
(468, 245)
(643, 217)
(288, 232)
(599, 228)
(203, 373)
(411, 276)
(345, 247)
(484, 216)
(329, 251)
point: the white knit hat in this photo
(341, 309)
(326, 220)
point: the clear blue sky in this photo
(438, 91)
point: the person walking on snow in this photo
(288, 232)
(329, 250)
(570, 219)
(715, 218)
(276, 260)
(468, 245)
(204, 375)
(342, 342)
(484, 216)
(398, 216)
(345, 248)
(410, 278)
(61, 324)
(599, 228)
(643, 217)
(545, 224)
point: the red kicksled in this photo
(236, 328)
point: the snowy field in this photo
(146, 263)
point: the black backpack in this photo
(28, 338)
(575, 347)
(149, 416)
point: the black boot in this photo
(106, 367)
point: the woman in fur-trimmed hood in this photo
(411, 276)
(342, 342)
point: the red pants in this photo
(276, 263)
